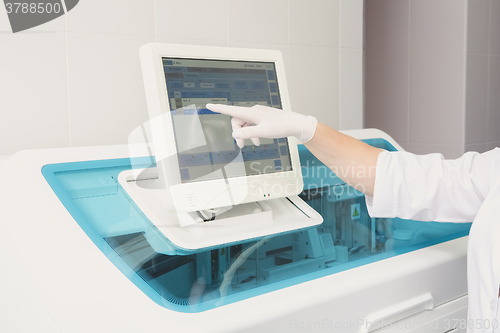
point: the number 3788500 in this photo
(25, 8)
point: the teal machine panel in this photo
(197, 281)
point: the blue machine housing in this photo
(188, 281)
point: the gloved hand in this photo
(265, 122)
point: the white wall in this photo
(415, 77)
(76, 81)
(433, 73)
(482, 119)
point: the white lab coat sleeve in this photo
(428, 187)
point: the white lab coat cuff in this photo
(382, 204)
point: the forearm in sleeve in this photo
(425, 188)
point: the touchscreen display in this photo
(206, 149)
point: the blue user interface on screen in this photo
(203, 138)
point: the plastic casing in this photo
(57, 280)
(207, 194)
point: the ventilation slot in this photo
(191, 200)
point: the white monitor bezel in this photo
(281, 184)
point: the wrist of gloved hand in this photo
(308, 129)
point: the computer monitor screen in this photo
(203, 138)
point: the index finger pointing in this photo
(239, 112)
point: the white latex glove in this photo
(265, 122)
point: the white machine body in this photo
(56, 280)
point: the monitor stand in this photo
(232, 225)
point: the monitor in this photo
(197, 157)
